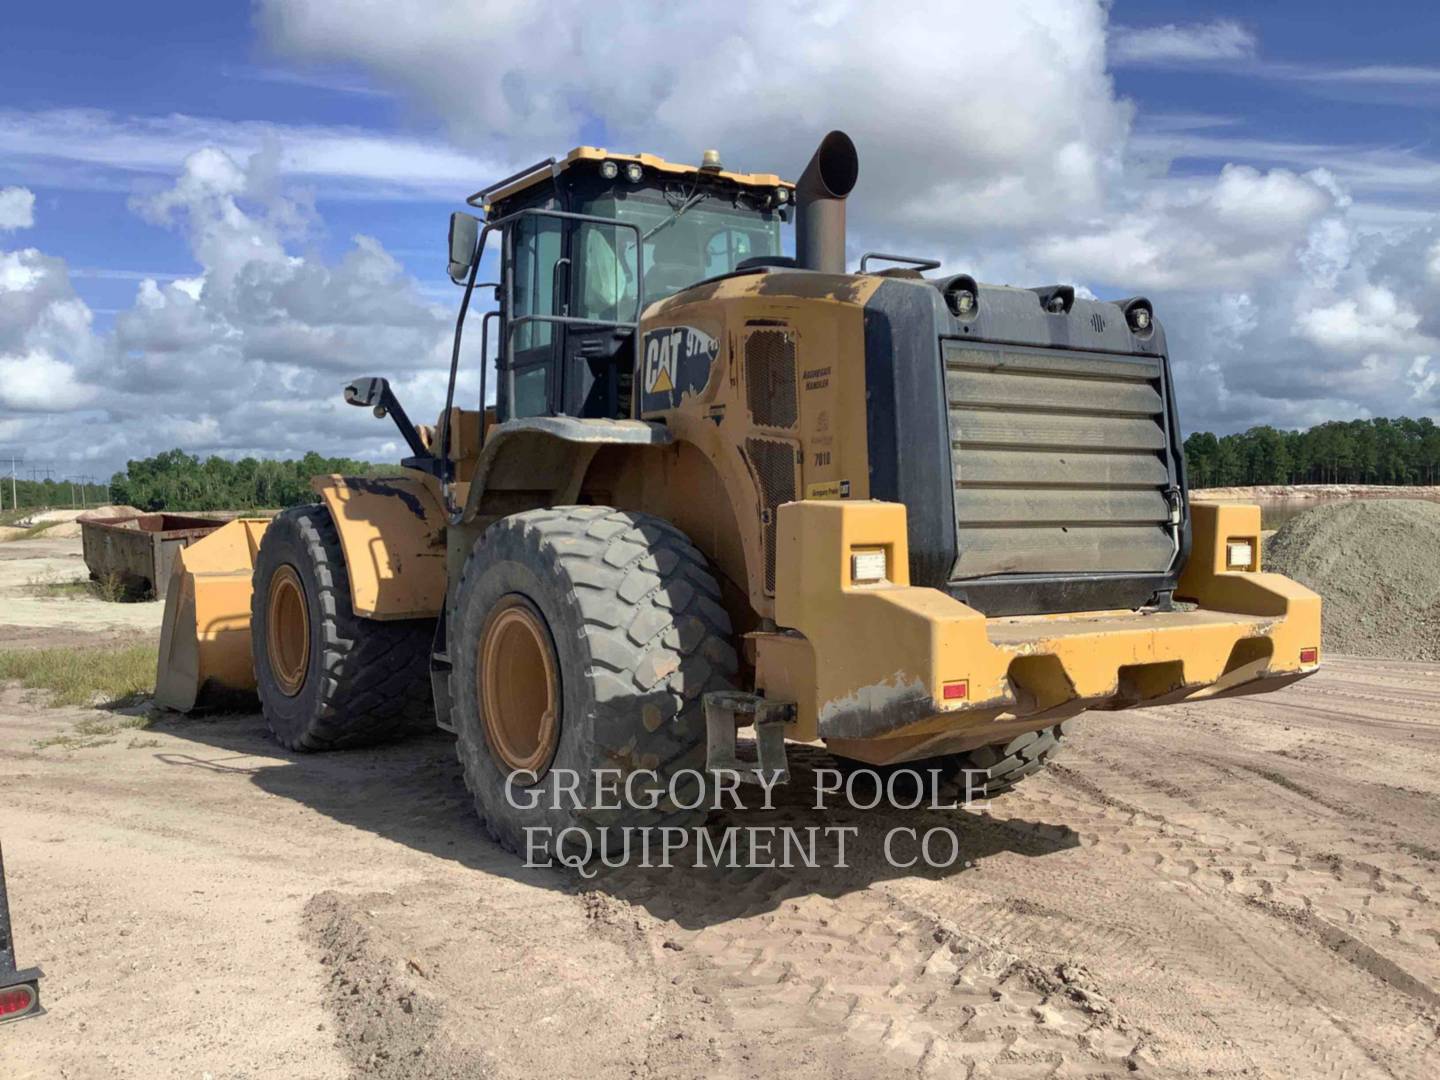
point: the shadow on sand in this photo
(413, 793)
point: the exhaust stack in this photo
(820, 204)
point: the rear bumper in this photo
(890, 672)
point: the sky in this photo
(212, 216)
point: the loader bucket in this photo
(205, 639)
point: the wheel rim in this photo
(287, 630)
(518, 686)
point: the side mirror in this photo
(367, 393)
(464, 231)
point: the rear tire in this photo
(329, 679)
(988, 771)
(629, 612)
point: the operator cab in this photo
(570, 294)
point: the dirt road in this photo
(1248, 888)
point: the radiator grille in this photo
(1060, 461)
(770, 378)
(773, 463)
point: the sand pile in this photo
(1377, 564)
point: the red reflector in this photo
(955, 691)
(17, 999)
(1310, 656)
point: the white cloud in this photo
(17, 208)
(1221, 233)
(36, 381)
(96, 148)
(1297, 280)
(247, 357)
(1000, 116)
(1220, 40)
(1373, 318)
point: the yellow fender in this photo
(392, 530)
(205, 639)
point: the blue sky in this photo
(235, 207)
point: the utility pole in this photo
(16, 458)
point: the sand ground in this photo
(1248, 888)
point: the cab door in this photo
(530, 372)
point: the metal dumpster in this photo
(138, 551)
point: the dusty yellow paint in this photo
(205, 639)
(650, 161)
(881, 654)
(392, 531)
(824, 314)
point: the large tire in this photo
(990, 770)
(631, 612)
(339, 680)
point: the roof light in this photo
(634, 173)
(609, 170)
(710, 161)
(782, 195)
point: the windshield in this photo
(708, 236)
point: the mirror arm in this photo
(377, 395)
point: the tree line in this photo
(49, 494)
(178, 481)
(1380, 451)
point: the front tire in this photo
(329, 679)
(582, 638)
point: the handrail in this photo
(507, 304)
(908, 260)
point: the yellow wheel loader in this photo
(917, 519)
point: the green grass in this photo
(109, 588)
(105, 677)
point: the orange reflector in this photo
(16, 1000)
(956, 691)
(1310, 655)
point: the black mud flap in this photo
(19, 990)
(440, 674)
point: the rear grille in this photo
(770, 378)
(1059, 460)
(773, 463)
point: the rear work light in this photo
(1240, 555)
(869, 566)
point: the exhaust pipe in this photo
(820, 204)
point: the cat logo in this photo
(677, 362)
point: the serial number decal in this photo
(828, 489)
(677, 361)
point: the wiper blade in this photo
(688, 204)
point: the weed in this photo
(110, 678)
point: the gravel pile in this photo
(1376, 563)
